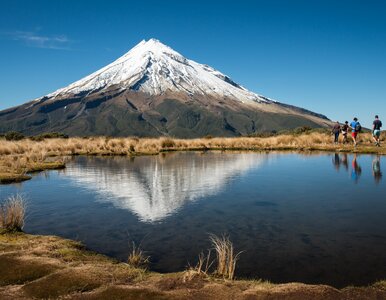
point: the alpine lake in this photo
(313, 218)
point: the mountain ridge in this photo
(153, 90)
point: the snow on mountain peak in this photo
(154, 68)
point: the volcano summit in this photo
(153, 90)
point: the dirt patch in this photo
(179, 281)
(213, 291)
(5, 247)
(124, 293)
(18, 271)
(363, 293)
(294, 291)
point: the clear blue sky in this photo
(326, 56)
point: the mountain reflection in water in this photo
(155, 187)
(296, 217)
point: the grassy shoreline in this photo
(40, 267)
(11, 176)
(19, 158)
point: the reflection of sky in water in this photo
(155, 187)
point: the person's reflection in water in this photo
(345, 161)
(356, 169)
(336, 161)
(377, 169)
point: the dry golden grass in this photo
(202, 267)
(12, 214)
(137, 257)
(226, 257)
(21, 157)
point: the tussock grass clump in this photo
(137, 257)
(225, 255)
(167, 143)
(204, 264)
(12, 214)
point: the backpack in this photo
(358, 127)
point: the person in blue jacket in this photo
(355, 130)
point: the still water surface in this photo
(310, 218)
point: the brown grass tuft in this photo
(167, 143)
(203, 265)
(12, 214)
(226, 257)
(137, 258)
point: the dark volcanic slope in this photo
(131, 113)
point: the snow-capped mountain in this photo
(153, 90)
(154, 68)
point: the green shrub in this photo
(49, 135)
(264, 134)
(14, 136)
(302, 129)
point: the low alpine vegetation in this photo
(12, 214)
(137, 257)
(226, 257)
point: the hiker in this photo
(355, 129)
(335, 131)
(345, 132)
(377, 124)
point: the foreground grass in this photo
(41, 267)
(226, 257)
(19, 158)
(12, 214)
